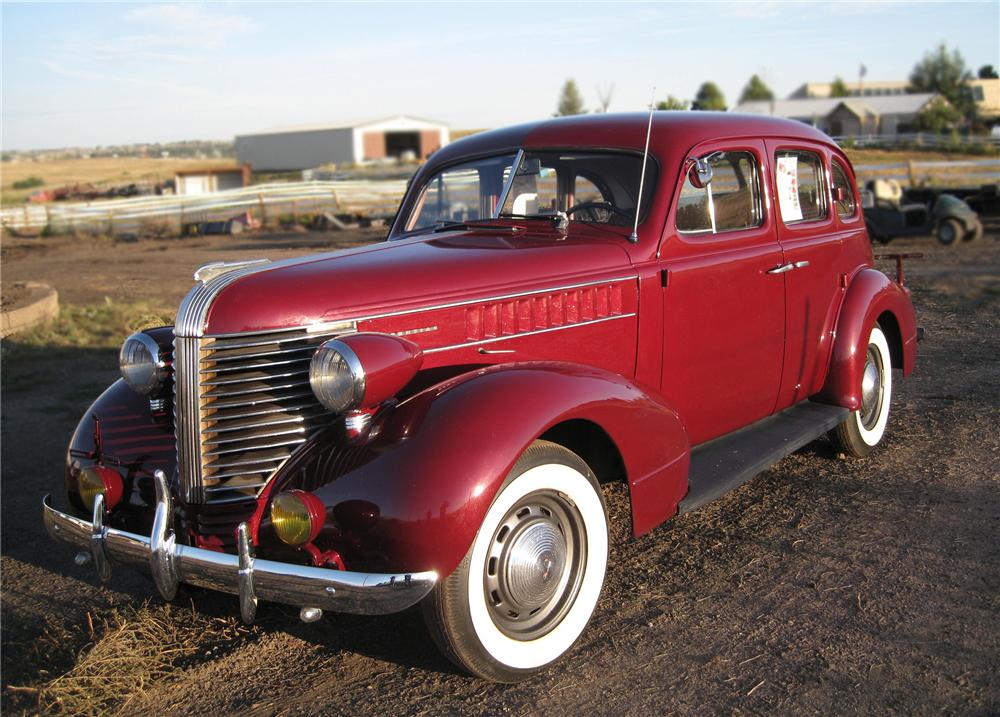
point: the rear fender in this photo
(441, 456)
(872, 297)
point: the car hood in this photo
(403, 275)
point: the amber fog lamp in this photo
(99, 480)
(362, 370)
(297, 516)
(141, 364)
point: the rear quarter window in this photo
(843, 192)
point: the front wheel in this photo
(949, 231)
(863, 429)
(526, 589)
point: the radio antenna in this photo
(634, 237)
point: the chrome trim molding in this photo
(187, 419)
(243, 575)
(494, 339)
(194, 307)
(336, 325)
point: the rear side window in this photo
(801, 189)
(843, 193)
(730, 202)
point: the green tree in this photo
(838, 88)
(672, 103)
(570, 100)
(709, 97)
(937, 117)
(755, 90)
(987, 72)
(945, 73)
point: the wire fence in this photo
(919, 139)
(282, 203)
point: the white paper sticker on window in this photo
(788, 189)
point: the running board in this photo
(729, 461)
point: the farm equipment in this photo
(890, 213)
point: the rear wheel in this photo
(863, 429)
(526, 589)
(949, 231)
(976, 233)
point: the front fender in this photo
(441, 456)
(871, 297)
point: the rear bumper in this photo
(244, 575)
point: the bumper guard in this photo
(244, 575)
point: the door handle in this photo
(781, 269)
(801, 264)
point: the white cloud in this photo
(192, 19)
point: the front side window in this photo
(843, 193)
(730, 202)
(801, 189)
(462, 192)
(592, 187)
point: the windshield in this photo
(595, 187)
(461, 193)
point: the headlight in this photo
(337, 377)
(297, 516)
(99, 480)
(142, 367)
(362, 370)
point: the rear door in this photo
(724, 318)
(813, 244)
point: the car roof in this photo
(670, 129)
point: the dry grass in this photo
(126, 654)
(98, 326)
(102, 170)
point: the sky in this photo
(120, 73)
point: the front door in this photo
(724, 313)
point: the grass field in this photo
(103, 170)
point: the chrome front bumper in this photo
(244, 575)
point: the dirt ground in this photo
(824, 586)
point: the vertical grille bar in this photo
(187, 418)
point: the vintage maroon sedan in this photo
(429, 419)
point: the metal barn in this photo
(297, 148)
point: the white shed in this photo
(297, 148)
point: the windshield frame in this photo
(411, 202)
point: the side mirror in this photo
(700, 174)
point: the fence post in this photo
(48, 219)
(912, 172)
(111, 222)
(263, 210)
(25, 215)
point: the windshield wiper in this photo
(448, 226)
(558, 218)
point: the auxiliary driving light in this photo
(297, 516)
(99, 480)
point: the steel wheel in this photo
(526, 589)
(863, 429)
(534, 565)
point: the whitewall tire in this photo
(863, 429)
(528, 585)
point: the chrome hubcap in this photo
(534, 565)
(871, 389)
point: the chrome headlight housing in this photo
(141, 364)
(337, 377)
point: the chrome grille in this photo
(243, 406)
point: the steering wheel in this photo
(591, 206)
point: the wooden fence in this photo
(267, 203)
(271, 204)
